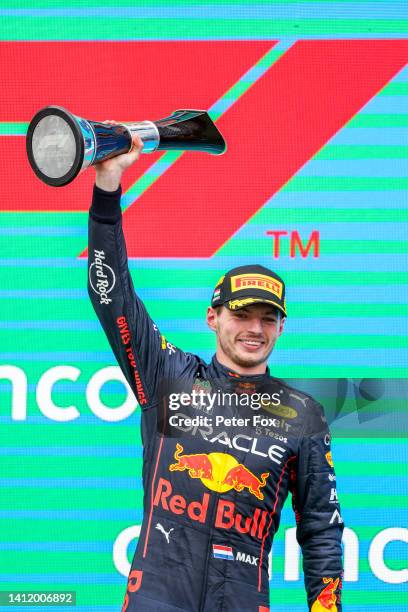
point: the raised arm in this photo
(135, 340)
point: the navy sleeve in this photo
(143, 354)
(318, 517)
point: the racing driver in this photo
(223, 443)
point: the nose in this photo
(255, 325)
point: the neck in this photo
(224, 360)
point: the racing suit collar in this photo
(222, 371)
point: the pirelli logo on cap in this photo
(256, 281)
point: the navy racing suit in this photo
(218, 463)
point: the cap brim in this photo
(238, 304)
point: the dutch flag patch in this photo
(222, 552)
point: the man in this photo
(223, 443)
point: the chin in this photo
(249, 360)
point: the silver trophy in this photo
(61, 145)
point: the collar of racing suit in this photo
(228, 374)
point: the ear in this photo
(281, 325)
(212, 318)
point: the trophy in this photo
(61, 145)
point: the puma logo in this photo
(166, 534)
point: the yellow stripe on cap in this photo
(236, 304)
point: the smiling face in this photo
(245, 337)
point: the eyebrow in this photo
(268, 313)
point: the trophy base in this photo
(55, 146)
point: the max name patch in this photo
(258, 281)
(226, 552)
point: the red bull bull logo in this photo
(239, 477)
(219, 472)
(198, 465)
(329, 459)
(326, 600)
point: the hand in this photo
(109, 172)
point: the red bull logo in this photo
(198, 465)
(226, 516)
(219, 472)
(239, 477)
(326, 600)
(329, 459)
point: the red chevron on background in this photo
(271, 131)
(126, 81)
